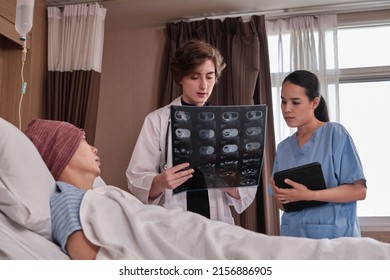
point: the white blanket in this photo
(124, 228)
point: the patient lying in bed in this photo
(115, 225)
(74, 165)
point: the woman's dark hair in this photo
(192, 54)
(311, 84)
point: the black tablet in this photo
(309, 175)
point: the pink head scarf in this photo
(56, 141)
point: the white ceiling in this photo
(127, 13)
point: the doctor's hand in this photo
(298, 192)
(171, 178)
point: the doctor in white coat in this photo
(196, 67)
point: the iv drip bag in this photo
(24, 17)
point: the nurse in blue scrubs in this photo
(317, 140)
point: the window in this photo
(364, 108)
(364, 96)
(363, 46)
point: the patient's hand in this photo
(80, 248)
(171, 178)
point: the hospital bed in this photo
(124, 228)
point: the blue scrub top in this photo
(333, 147)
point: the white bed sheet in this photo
(18, 243)
(124, 228)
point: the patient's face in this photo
(197, 87)
(85, 160)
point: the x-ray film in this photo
(223, 144)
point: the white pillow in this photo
(25, 182)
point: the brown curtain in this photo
(74, 97)
(245, 80)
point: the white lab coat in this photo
(147, 161)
